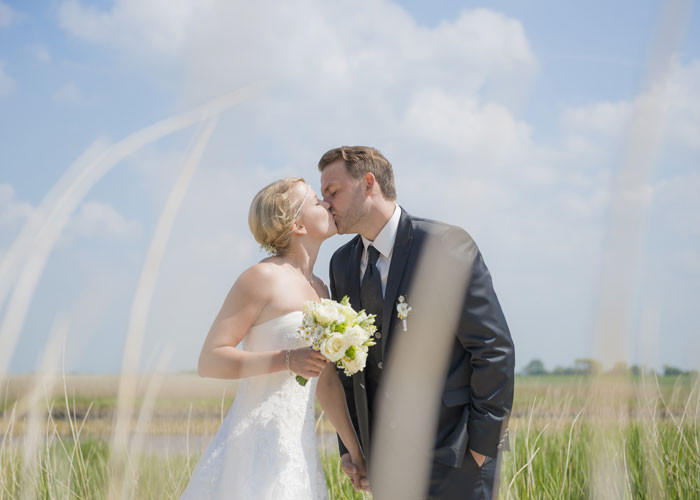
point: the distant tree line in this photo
(585, 366)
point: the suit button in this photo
(378, 335)
(380, 365)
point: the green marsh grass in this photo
(551, 445)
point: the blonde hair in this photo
(271, 214)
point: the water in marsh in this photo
(165, 445)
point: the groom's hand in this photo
(348, 467)
(358, 475)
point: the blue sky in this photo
(506, 118)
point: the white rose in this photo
(356, 335)
(326, 314)
(334, 347)
(357, 364)
(309, 308)
(348, 314)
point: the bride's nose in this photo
(326, 205)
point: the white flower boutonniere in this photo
(402, 310)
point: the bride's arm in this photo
(331, 396)
(220, 358)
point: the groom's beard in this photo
(350, 222)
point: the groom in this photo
(374, 269)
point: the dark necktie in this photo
(371, 288)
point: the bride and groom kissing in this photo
(266, 446)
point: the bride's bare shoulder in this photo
(259, 275)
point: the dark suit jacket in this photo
(477, 395)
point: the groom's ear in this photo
(369, 181)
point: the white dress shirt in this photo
(384, 243)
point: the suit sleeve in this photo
(345, 380)
(484, 334)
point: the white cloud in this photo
(159, 25)
(486, 135)
(70, 94)
(40, 53)
(436, 101)
(8, 15)
(597, 143)
(97, 219)
(588, 204)
(13, 212)
(92, 220)
(607, 118)
(678, 202)
(209, 247)
(376, 47)
(7, 84)
(688, 260)
(683, 123)
(679, 101)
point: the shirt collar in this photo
(384, 242)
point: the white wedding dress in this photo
(265, 448)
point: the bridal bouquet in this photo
(337, 331)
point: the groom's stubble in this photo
(350, 220)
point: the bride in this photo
(266, 446)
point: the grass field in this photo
(569, 437)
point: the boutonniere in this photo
(402, 310)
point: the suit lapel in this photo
(399, 257)
(353, 282)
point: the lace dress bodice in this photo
(266, 446)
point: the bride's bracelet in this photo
(286, 361)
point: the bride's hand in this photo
(307, 362)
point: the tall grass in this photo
(552, 440)
(655, 437)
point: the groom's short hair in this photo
(362, 159)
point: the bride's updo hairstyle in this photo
(272, 213)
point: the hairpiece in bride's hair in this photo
(270, 249)
(296, 214)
